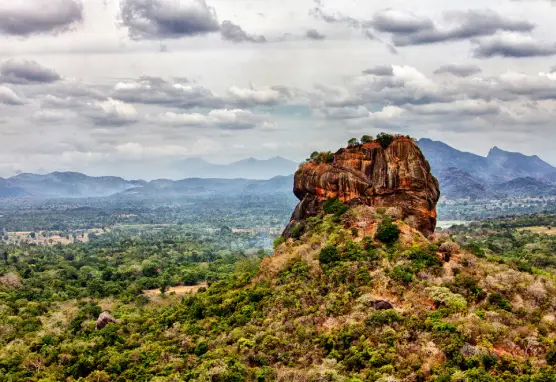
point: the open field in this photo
(179, 290)
(540, 229)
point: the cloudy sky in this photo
(128, 87)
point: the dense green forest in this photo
(332, 305)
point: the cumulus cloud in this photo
(112, 113)
(249, 96)
(26, 72)
(233, 32)
(29, 17)
(512, 45)
(167, 19)
(313, 34)
(458, 70)
(156, 91)
(227, 119)
(9, 97)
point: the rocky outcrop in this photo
(396, 176)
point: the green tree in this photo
(353, 142)
(387, 232)
(366, 139)
(385, 139)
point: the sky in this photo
(131, 87)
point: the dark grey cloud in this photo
(233, 32)
(380, 70)
(26, 72)
(510, 46)
(313, 34)
(167, 19)
(458, 70)
(157, 91)
(29, 17)
(408, 29)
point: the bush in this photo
(329, 254)
(279, 241)
(334, 206)
(385, 139)
(449, 247)
(443, 296)
(387, 232)
(497, 300)
(297, 231)
(402, 274)
(353, 250)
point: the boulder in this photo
(382, 305)
(104, 319)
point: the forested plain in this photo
(481, 311)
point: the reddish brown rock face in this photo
(398, 176)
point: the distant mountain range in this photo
(461, 175)
(244, 169)
(499, 174)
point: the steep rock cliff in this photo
(369, 174)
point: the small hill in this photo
(525, 187)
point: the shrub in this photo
(353, 250)
(443, 296)
(387, 232)
(422, 260)
(279, 241)
(497, 300)
(449, 247)
(551, 356)
(402, 274)
(475, 249)
(385, 139)
(383, 317)
(334, 206)
(329, 254)
(297, 231)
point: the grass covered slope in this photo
(356, 296)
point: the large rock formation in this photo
(396, 176)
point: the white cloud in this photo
(9, 97)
